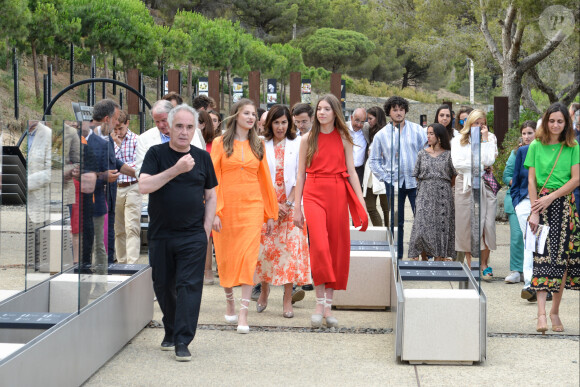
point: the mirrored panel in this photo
(12, 211)
(95, 239)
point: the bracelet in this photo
(289, 203)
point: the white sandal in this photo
(316, 319)
(231, 319)
(244, 328)
(331, 322)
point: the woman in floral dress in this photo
(284, 258)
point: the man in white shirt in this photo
(160, 133)
(359, 130)
(393, 156)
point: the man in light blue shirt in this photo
(393, 156)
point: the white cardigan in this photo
(291, 150)
(461, 157)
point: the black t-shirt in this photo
(177, 209)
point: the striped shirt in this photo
(386, 165)
(127, 154)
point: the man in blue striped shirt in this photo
(393, 156)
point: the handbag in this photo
(490, 180)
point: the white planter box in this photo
(369, 282)
(441, 326)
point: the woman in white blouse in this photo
(461, 156)
(284, 258)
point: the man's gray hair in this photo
(104, 108)
(161, 106)
(363, 110)
(179, 108)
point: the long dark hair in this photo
(381, 117)
(441, 133)
(449, 126)
(208, 132)
(567, 135)
(274, 113)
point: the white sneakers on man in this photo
(513, 278)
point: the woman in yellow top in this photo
(246, 200)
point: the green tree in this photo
(273, 20)
(289, 60)
(335, 49)
(13, 24)
(42, 29)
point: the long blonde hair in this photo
(339, 124)
(475, 115)
(228, 138)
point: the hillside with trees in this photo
(403, 43)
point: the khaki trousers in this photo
(128, 224)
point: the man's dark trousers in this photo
(178, 266)
(360, 172)
(403, 193)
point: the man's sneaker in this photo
(308, 287)
(167, 344)
(182, 353)
(256, 290)
(297, 295)
(513, 278)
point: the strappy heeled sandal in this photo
(316, 319)
(542, 324)
(231, 319)
(331, 322)
(557, 328)
(244, 328)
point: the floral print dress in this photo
(284, 254)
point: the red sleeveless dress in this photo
(326, 198)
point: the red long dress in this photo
(326, 198)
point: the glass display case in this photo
(56, 280)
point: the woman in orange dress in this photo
(284, 258)
(246, 200)
(327, 177)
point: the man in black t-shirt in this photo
(180, 181)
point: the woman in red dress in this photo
(328, 183)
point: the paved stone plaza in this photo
(287, 352)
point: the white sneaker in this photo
(513, 278)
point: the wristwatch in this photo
(289, 203)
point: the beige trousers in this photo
(128, 224)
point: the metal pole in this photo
(121, 99)
(114, 75)
(471, 83)
(72, 63)
(44, 92)
(49, 83)
(15, 74)
(140, 86)
(93, 75)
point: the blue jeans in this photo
(411, 193)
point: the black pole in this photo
(121, 99)
(72, 63)
(114, 75)
(93, 75)
(142, 122)
(142, 92)
(49, 83)
(15, 75)
(140, 86)
(44, 92)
